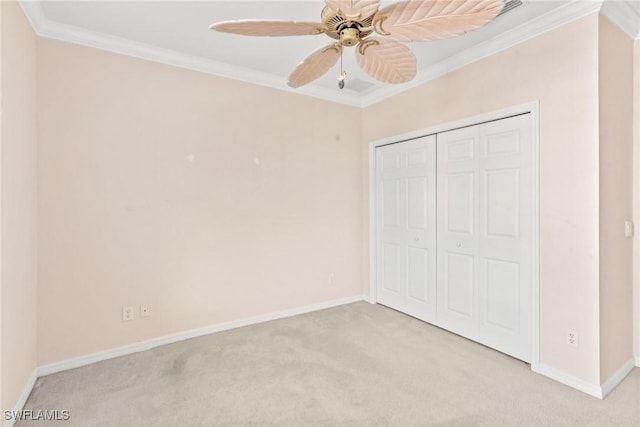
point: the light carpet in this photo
(353, 365)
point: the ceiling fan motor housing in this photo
(350, 30)
(349, 36)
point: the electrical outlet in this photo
(145, 310)
(127, 313)
(572, 338)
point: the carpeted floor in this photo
(354, 365)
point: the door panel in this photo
(484, 210)
(457, 210)
(406, 230)
(418, 157)
(391, 203)
(391, 267)
(460, 201)
(390, 161)
(502, 143)
(418, 273)
(503, 294)
(417, 194)
(460, 284)
(505, 288)
(460, 149)
(502, 203)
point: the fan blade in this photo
(386, 60)
(315, 65)
(364, 8)
(434, 19)
(251, 27)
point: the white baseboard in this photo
(586, 387)
(599, 391)
(618, 376)
(76, 362)
(23, 397)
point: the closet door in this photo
(485, 234)
(406, 227)
(458, 236)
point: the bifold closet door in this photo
(484, 208)
(406, 227)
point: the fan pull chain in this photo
(343, 73)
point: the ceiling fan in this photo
(352, 23)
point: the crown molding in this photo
(549, 21)
(625, 15)
(58, 31)
(620, 12)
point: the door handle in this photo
(459, 244)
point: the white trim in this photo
(625, 16)
(373, 235)
(529, 107)
(366, 298)
(617, 377)
(76, 362)
(71, 34)
(549, 21)
(532, 108)
(636, 202)
(569, 380)
(592, 389)
(26, 391)
(34, 13)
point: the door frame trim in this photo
(532, 108)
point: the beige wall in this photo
(19, 202)
(636, 180)
(566, 84)
(268, 210)
(616, 193)
(1, 133)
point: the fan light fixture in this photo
(352, 22)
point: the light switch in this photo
(628, 229)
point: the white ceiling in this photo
(178, 32)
